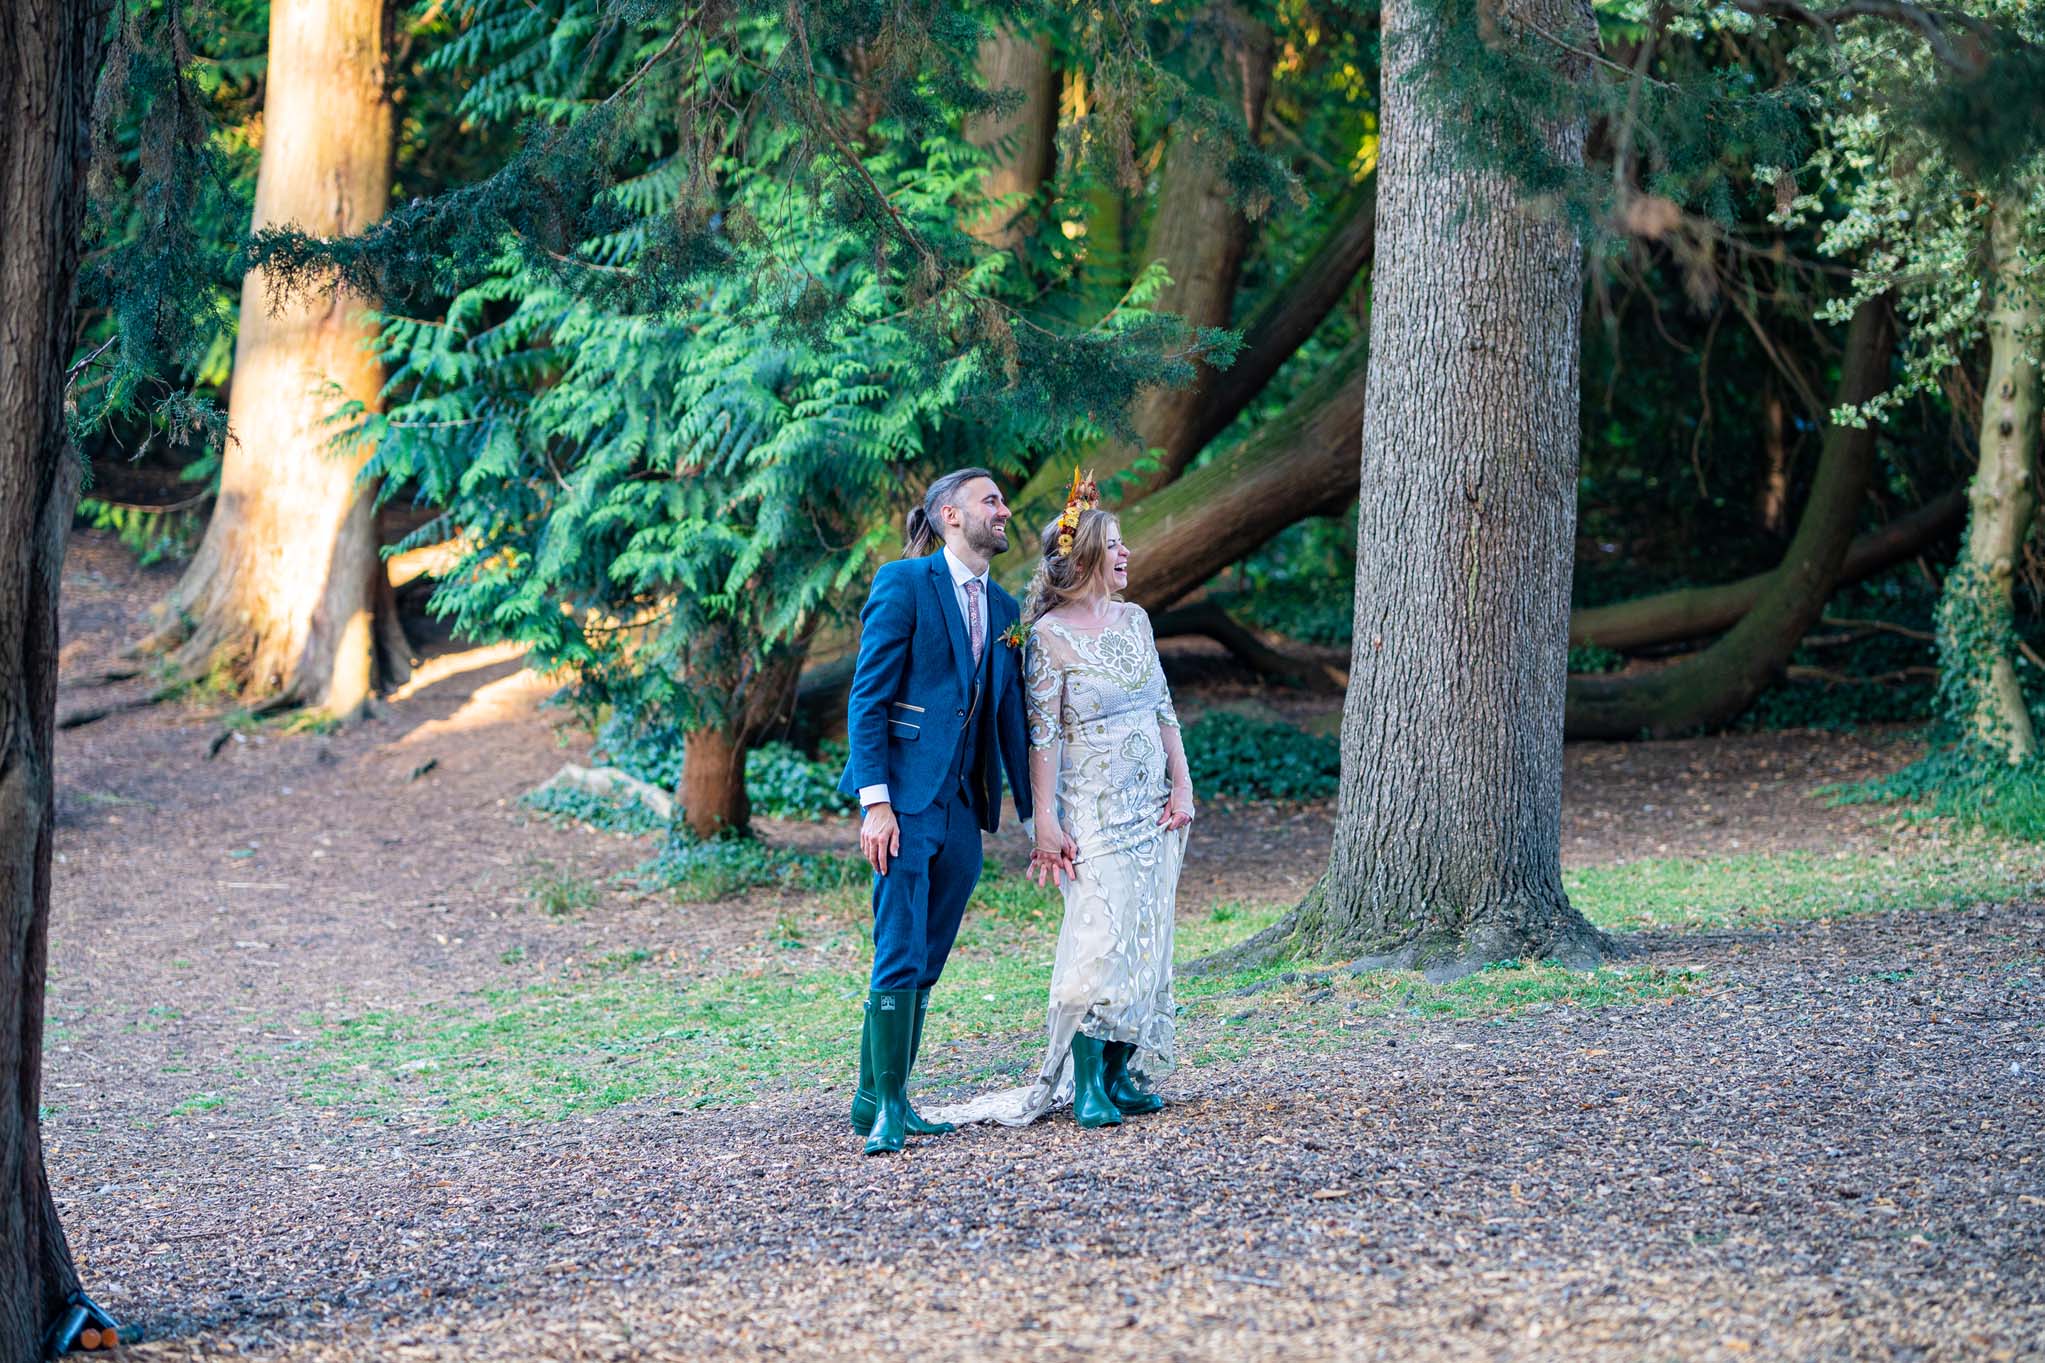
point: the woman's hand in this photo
(1055, 856)
(1178, 809)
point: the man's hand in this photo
(880, 837)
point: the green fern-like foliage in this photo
(672, 414)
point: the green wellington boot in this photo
(917, 1126)
(1125, 1091)
(863, 1100)
(1090, 1102)
(890, 1032)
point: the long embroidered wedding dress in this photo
(1102, 698)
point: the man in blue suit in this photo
(935, 720)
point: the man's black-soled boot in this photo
(1090, 1103)
(891, 1030)
(863, 1100)
(1124, 1090)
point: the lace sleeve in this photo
(1043, 688)
(1166, 715)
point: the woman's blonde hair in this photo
(1066, 577)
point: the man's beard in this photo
(984, 537)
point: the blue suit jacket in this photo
(912, 693)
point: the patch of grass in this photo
(198, 1102)
(558, 893)
(706, 871)
(1692, 893)
(624, 1028)
(631, 1026)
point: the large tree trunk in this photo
(1447, 850)
(49, 59)
(1713, 686)
(1698, 612)
(713, 795)
(1974, 616)
(1292, 315)
(1200, 234)
(287, 588)
(1024, 143)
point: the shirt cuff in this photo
(874, 795)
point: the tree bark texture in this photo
(1024, 143)
(1713, 686)
(1447, 848)
(287, 585)
(1310, 447)
(1285, 323)
(1200, 234)
(713, 795)
(1301, 464)
(50, 55)
(1698, 612)
(2003, 496)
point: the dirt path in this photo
(1825, 1157)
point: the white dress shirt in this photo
(960, 576)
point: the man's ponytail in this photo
(923, 533)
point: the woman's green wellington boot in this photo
(1090, 1103)
(891, 1029)
(863, 1100)
(1124, 1089)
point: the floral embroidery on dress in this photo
(1102, 699)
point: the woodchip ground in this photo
(1830, 1148)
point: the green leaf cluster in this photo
(1246, 758)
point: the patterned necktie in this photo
(974, 629)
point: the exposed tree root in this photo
(1209, 619)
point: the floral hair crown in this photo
(1085, 496)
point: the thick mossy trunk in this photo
(1714, 685)
(1975, 614)
(50, 56)
(1447, 847)
(287, 592)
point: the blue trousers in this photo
(918, 904)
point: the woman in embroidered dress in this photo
(1113, 800)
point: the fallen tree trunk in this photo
(1695, 612)
(1302, 464)
(1208, 619)
(1716, 684)
(1272, 337)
